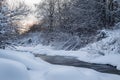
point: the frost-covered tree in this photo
(82, 18)
(7, 18)
(4, 23)
(109, 13)
(47, 10)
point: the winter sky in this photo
(31, 2)
(28, 2)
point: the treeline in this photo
(81, 18)
(69, 15)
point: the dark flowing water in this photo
(72, 61)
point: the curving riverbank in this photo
(72, 61)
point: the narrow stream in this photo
(72, 61)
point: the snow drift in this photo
(12, 70)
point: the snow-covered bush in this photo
(109, 45)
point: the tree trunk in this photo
(51, 14)
(109, 13)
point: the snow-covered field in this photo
(16, 65)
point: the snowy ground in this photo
(12, 70)
(19, 63)
(113, 59)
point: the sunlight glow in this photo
(32, 2)
(26, 24)
(29, 20)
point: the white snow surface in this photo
(12, 70)
(40, 70)
(25, 58)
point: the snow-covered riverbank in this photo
(38, 69)
(105, 51)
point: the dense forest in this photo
(71, 23)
